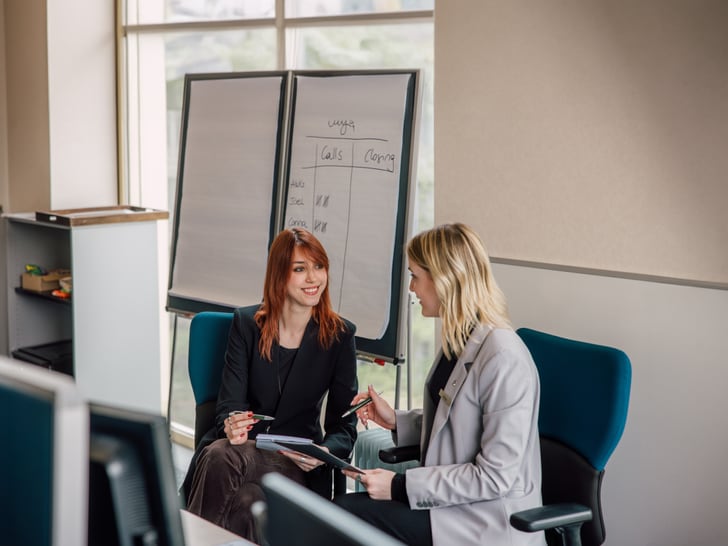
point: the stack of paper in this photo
(277, 442)
(271, 442)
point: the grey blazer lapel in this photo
(455, 382)
(428, 410)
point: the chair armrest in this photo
(399, 454)
(551, 516)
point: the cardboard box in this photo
(44, 283)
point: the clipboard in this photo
(272, 442)
(321, 454)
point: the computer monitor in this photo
(133, 496)
(43, 457)
(297, 516)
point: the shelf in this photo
(57, 356)
(112, 346)
(42, 295)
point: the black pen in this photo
(352, 409)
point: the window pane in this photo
(156, 67)
(156, 62)
(221, 51)
(179, 11)
(318, 8)
(200, 52)
(182, 403)
(386, 46)
(381, 46)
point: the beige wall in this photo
(3, 117)
(663, 485)
(60, 89)
(27, 106)
(594, 133)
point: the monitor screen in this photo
(44, 457)
(295, 516)
(132, 486)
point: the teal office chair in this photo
(208, 337)
(205, 360)
(206, 357)
(584, 399)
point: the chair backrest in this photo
(206, 357)
(584, 400)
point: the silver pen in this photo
(258, 416)
(366, 401)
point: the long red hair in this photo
(277, 274)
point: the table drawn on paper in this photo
(348, 154)
(339, 170)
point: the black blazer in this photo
(251, 383)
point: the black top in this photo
(439, 378)
(285, 361)
(437, 382)
(306, 376)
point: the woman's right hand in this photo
(237, 426)
(378, 411)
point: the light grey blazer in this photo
(481, 449)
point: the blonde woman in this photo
(478, 430)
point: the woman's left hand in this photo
(303, 461)
(377, 482)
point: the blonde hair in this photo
(456, 259)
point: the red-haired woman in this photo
(283, 358)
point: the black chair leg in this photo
(570, 535)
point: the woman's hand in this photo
(378, 411)
(303, 461)
(377, 482)
(237, 426)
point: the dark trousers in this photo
(226, 483)
(393, 517)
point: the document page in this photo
(276, 442)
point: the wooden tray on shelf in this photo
(100, 215)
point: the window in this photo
(162, 40)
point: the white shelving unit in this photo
(113, 316)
